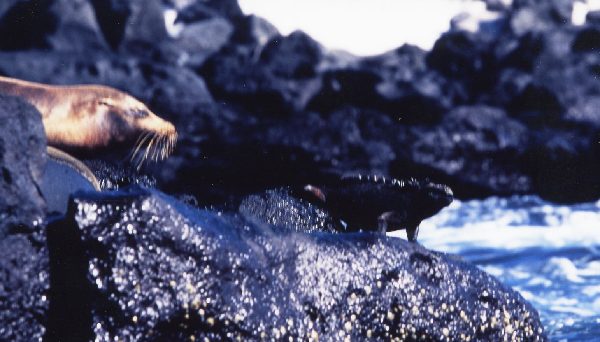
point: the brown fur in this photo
(93, 116)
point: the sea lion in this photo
(80, 118)
(364, 202)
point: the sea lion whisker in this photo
(163, 147)
(156, 148)
(147, 150)
(136, 147)
(149, 147)
(172, 142)
(160, 148)
(143, 139)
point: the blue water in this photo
(549, 253)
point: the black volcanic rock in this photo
(23, 256)
(253, 31)
(114, 176)
(351, 86)
(199, 10)
(396, 83)
(22, 160)
(475, 146)
(236, 74)
(76, 26)
(24, 282)
(286, 209)
(563, 163)
(536, 106)
(156, 270)
(593, 17)
(112, 16)
(539, 16)
(294, 56)
(465, 58)
(587, 40)
(557, 10)
(56, 24)
(198, 41)
(25, 24)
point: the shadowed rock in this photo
(23, 254)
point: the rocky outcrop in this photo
(23, 254)
(157, 270)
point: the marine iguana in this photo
(366, 202)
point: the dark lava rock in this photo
(479, 146)
(24, 282)
(286, 209)
(539, 16)
(138, 22)
(114, 176)
(351, 86)
(465, 57)
(294, 56)
(199, 40)
(593, 17)
(587, 40)
(536, 106)
(199, 10)
(155, 270)
(57, 24)
(111, 16)
(253, 31)
(397, 83)
(22, 159)
(261, 85)
(564, 164)
(23, 256)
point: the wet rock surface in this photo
(153, 269)
(287, 209)
(23, 252)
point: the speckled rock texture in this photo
(151, 269)
(285, 208)
(23, 254)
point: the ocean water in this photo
(549, 253)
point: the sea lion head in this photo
(105, 118)
(130, 120)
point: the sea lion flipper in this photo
(64, 158)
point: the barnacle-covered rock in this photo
(142, 266)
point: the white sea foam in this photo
(513, 223)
